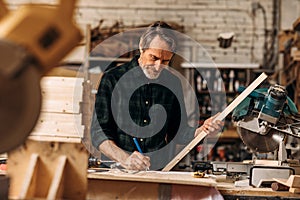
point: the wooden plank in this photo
(59, 124)
(53, 132)
(183, 178)
(59, 117)
(47, 138)
(62, 93)
(72, 85)
(57, 187)
(293, 182)
(57, 81)
(29, 184)
(229, 189)
(220, 117)
(294, 190)
(77, 85)
(60, 106)
(60, 129)
(62, 71)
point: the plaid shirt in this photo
(130, 105)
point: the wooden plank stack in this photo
(60, 117)
(52, 164)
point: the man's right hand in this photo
(137, 161)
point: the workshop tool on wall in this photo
(220, 117)
(33, 39)
(225, 39)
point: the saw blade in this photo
(261, 143)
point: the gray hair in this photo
(161, 29)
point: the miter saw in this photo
(264, 120)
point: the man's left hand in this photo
(210, 126)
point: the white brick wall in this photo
(203, 20)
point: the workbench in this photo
(116, 184)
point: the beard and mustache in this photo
(150, 70)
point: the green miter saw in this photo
(265, 118)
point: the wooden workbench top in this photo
(172, 177)
(186, 178)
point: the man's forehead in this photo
(158, 43)
(160, 53)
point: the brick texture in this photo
(203, 20)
